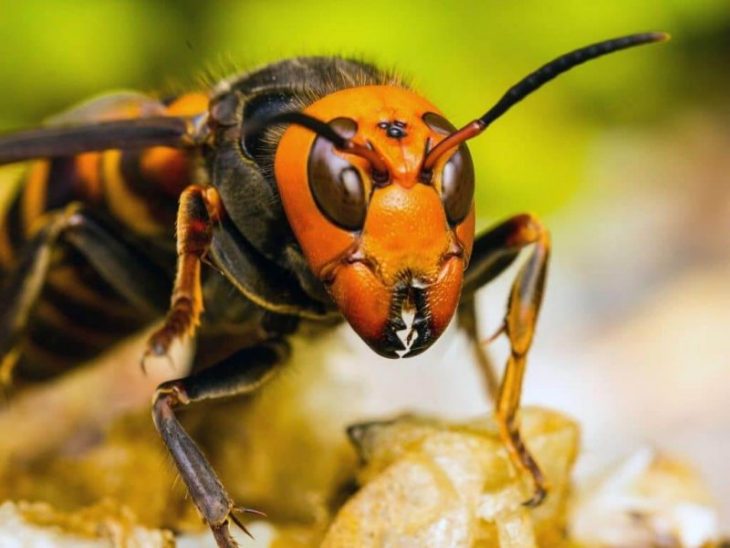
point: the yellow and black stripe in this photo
(78, 313)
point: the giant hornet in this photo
(321, 189)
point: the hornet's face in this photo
(391, 244)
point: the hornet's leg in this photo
(198, 211)
(122, 264)
(241, 373)
(490, 257)
(493, 252)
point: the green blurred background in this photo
(462, 55)
(626, 157)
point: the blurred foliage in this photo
(462, 55)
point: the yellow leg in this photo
(494, 251)
(199, 209)
(523, 308)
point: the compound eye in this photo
(457, 185)
(336, 185)
(457, 177)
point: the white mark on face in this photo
(406, 335)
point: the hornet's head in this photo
(390, 240)
(379, 190)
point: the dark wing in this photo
(54, 141)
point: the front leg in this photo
(493, 252)
(200, 208)
(241, 373)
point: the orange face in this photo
(391, 247)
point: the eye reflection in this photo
(351, 182)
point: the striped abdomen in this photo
(79, 313)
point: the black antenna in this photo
(562, 64)
(300, 119)
(534, 81)
(323, 129)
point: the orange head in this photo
(390, 241)
(379, 188)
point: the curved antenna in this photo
(377, 163)
(534, 81)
